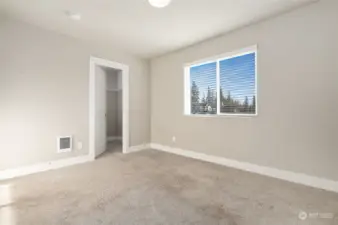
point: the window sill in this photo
(222, 115)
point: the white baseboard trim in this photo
(138, 148)
(22, 171)
(298, 178)
(113, 138)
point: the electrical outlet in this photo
(174, 139)
(79, 145)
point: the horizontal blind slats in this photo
(203, 89)
(237, 83)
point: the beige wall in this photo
(297, 125)
(44, 89)
(120, 114)
(113, 78)
(112, 114)
(114, 108)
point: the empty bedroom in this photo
(169, 112)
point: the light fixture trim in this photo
(159, 3)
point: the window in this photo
(226, 85)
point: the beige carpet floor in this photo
(152, 187)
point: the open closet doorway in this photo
(108, 106)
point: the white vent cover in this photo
(64, 144)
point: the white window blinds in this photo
(203, 89)
(226, 85)
(237, 84)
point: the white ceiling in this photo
(136, 27)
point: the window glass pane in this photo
(203, 89)
(237, 84)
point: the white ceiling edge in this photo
(249, 24)
(116, 47)
(89, 42)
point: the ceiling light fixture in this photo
(73, 16)
(159, 3)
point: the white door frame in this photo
(94, 61)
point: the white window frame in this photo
(217, 59)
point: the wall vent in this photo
(64, 144)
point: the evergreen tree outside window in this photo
(203, 89)
(225, 86)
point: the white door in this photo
(100, 111)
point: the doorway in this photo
(107, 80)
